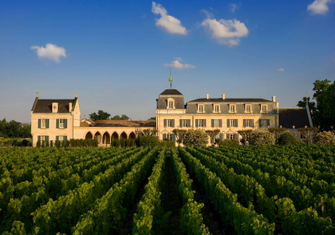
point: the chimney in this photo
(223, 96)
(207, 96)
(273, 99)
(70, 107)
(76, 94)
(54, 107)
(36, 94)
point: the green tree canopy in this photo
(101, 115)
(123, 117)
(14, 129)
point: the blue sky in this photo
(117, 54)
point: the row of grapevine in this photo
(110, 211)
(274, 185)
(66, 209)
(191, 218)
(274, 209)
(244, 220)
(48, 186)
(149, 211)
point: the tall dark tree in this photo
(326, 108)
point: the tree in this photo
(195, 138)
(245, 135)
(311, 105)
(277, 131)
(149, 132)
(308, 133)
(179, 134)
(123, 117)
(326, 108)
(100, 116)
(212, 134)
(261, 138)
(152, 119)
(325, 137)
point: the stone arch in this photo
(132, 136)
(97, 136)
(106, 138)
(123, 136)
(88, 136)
(115, 136)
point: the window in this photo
(185, 123)
(232, 123)
(232, 108)
(264, 108)
(61, 137)
(248, 122)
(170, 103)
(44, 137)
(233, 136)
(264, 122)
(216, 108)
(168, 122)
(43, 123)
(248, 108)
(200, 122)
(216, 122)
(61, 123)
(169, 136)
(200, 108)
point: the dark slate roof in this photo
(231, 100)
(45, 106)
(171, 92)
(297, 117)
(124, 123)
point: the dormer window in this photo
(216, 108)
(201, 108)
(170, 103)
(232, 108)
(248, 108)
(264, 108)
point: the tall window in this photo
(201, 108)
(43, 123)
(185, 122)
(170, 123)
(232, 108)
(248, 122)
(170, 104)
(202, 123)
(232, 123)
(216, 122)
(264, 109)
(61, 123)
(216, 108)
(248, 108)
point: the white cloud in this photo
(280, 70)
(226, 31)
(167, 22)
(50, 51)
(319, 7)
(233, 7)
(177, 65)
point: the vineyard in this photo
(209, 190)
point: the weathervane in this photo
(170, 80)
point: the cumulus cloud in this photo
(177, 65)
(169, 23)
(319, 7)
(280, 70)
(225, 31)
(233, 7)
(50, 51)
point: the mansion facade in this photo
(60, 119)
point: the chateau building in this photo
(60, 119)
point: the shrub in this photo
(167, 143)
(130, 143)
(51, 143)
(288, 139)
(228, 142)
(195, 138)
(57, 144)
(261, 138)
(38, 144)
(325, 137)
(148, 140)
(123, 143)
